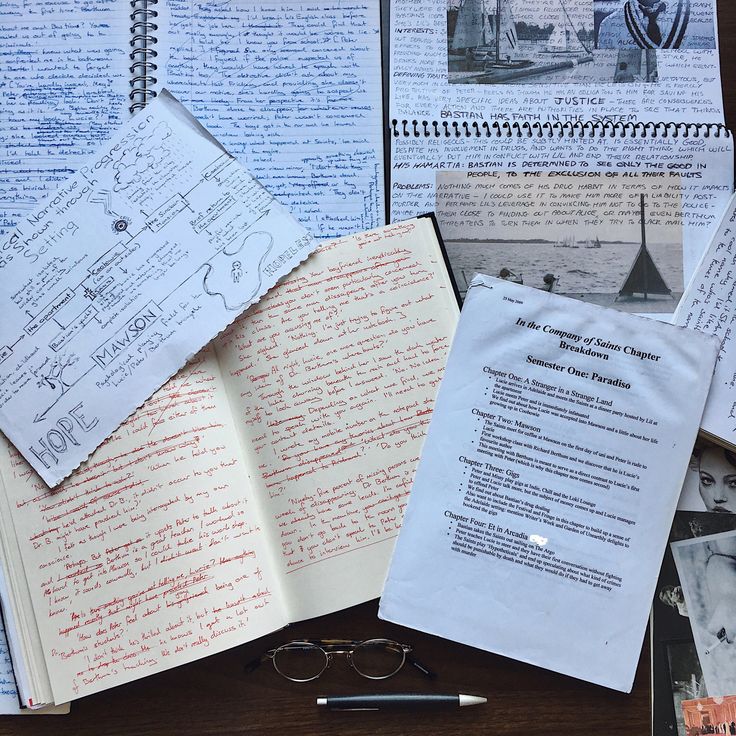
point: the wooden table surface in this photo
(216, 696)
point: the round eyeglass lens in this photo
(300, 661)
(378, 658)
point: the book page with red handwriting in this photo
(332, 378)
(151, 554)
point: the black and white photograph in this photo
(677, 675)
(707, 570)
(654, 24)
(514, 42)
(685, 677)
(614, 240)
(710, 483)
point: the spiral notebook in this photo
(291, 89)
(533, 131)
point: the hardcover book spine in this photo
(143, 54)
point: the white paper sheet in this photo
(557, 62)
(293, 89)
(548, 481)
(134, 264)
(700, 167)
(708, 306)
(65, 81)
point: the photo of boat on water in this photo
(618, 245)
(551, 42)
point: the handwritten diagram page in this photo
(485, 62)
(332, 378)
(153, 554)
(134, 264)
(546, 489)
(708, 306)
(63, 92)
(293, 90)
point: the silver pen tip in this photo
(471, 700)
(321, 701)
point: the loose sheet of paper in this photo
(134, 264)
(708, 306)
(63, 92)
(425, 172)
(293, 90)
(549, 62)
(548, 481)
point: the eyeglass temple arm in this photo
(424, 670)
(254, 664)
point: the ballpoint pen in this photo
(398, 700)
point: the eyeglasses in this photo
(306, 660)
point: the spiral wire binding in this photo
(445, 129)
(142, 55)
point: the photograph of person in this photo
(707, 571)
(676, 671)
(710, 483)
(654, 24)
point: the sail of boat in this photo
(472, 28)
(564, 38)
(504, 29)
(488, 23)
(644, 276)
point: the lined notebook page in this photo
(63, 89)
(331, 379)
(152, 554)
(293, 90)
(9, 704)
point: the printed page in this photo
(548, 482)
(130, 268)
(332, 379)
(493, 194)
(293, 90)
(505, 61)
(153, 553)
(708, 306)
(63, 92)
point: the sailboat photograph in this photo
(488, 44)
(628, 255)
(535, 42)
(644, 281)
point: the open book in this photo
(264, 484)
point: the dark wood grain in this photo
(216, 696)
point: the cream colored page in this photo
(332, 379)
(151, 554)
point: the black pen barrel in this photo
(391, 700)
